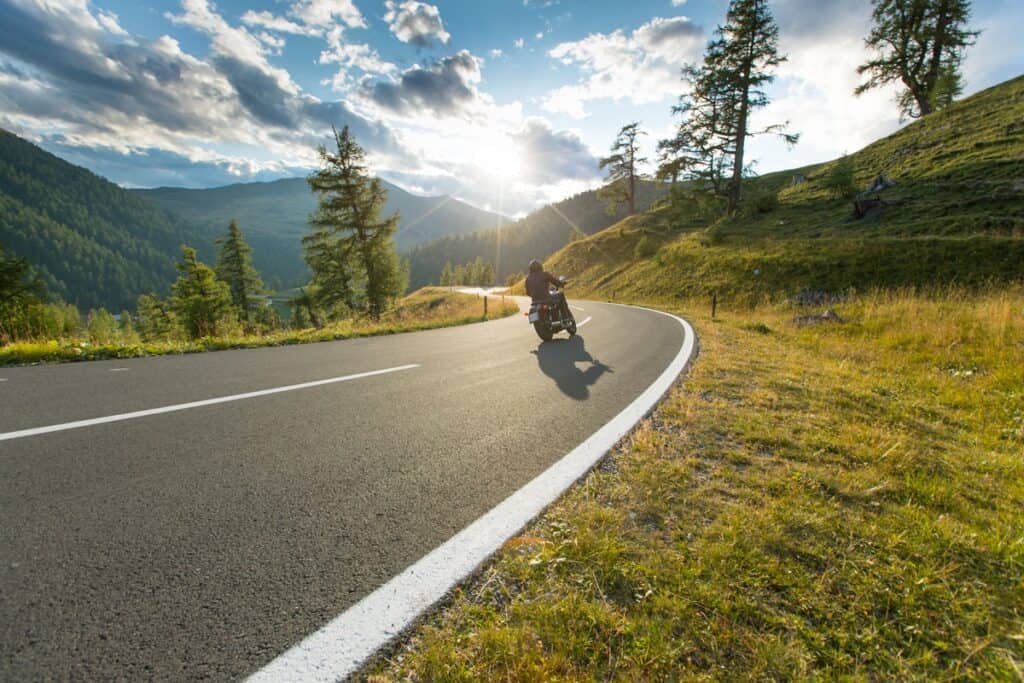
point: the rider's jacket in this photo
(537, 284)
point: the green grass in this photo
(425, 309)
(836, 501)
(956, 216)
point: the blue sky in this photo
(506, 104)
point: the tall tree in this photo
(234, 267)
(350, 249)
(622, 168)
(199, 300)
(19, 288)
(739, 62)
(920, 44)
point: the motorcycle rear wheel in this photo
(543, 331)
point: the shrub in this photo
(839, 181)
(645, 248)
(102, 327)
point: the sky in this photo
(505, 104)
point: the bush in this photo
(645, 248)
(839, 181)
(102, 327)
(767, 202)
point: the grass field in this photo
(425, 309)
(831, 501)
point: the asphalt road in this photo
(202, 543)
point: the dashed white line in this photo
(3, 379)
(118, 369)
(585, 321)
(6, 436)
(578, 308)
(344, 644)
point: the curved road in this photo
(204, 541)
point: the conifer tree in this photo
(156, 319)
(919, 44)
(234, 267)
(350, 249)
(198, 298)
(446, 274)
(622, 169)
(710, 144)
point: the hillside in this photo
(273, 216)
(536, 236)
(93, 243)
(955, 215)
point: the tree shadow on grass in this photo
(558, 358)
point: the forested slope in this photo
(92, 242)
(538, 235)
(274, 216)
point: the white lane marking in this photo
(578, 308)
(3, 379)
(119, 369)
(343, 645)
(585, 321)
(5, 436)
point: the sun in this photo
(497, 156)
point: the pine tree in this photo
(710, 144)
(622, 169)
(920, 44)
(234, 267)
(350, 248)
(156, 319)
(446, 274)
(198, 298)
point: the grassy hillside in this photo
(956, 214)
(837, 502)
(93, 243)
(538, 235)
(273, 216)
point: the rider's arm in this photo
(553, 280)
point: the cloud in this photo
(678, 3)
(418, 23)
(496, 53)
(518, 42)
(138, 96)
(448, 87)
(551, 156)
(642, 66)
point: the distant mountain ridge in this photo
(537, 235)
(273, 217)
(92, 242)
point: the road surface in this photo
(262, 492)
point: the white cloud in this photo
(414, 22)
(519, 42)
(678, 3)
(496, 53)
(278, 23)
(642, 66)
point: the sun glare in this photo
(497, 156)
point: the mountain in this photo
(538, 235)
(273, 217)
(954, 217)
(92, 242)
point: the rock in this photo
(828, 316)
(798, 178)
(881, 182)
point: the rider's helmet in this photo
(536, 266)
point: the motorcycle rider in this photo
(537, 287)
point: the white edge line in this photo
(6, 436)
(578, 308)
(346, 643)
(585, 321)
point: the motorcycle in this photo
(552, 315)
